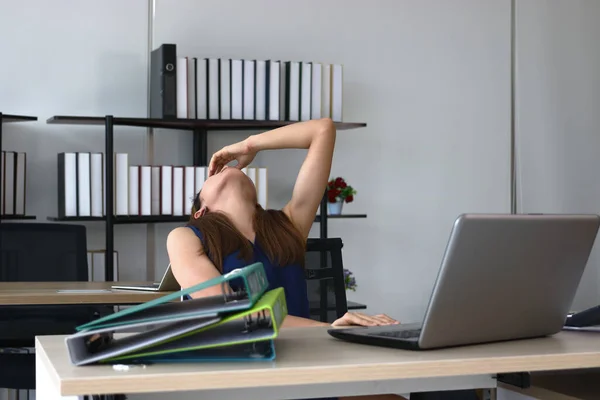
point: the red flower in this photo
(339, 190)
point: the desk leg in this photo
(45, 388)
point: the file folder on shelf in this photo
(238, 325)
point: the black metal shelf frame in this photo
(200, 130)
(200, 158)
(323, 286)
(108, 196)
(9, 217)
(157, 219)
(10, 118)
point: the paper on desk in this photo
(83, 291)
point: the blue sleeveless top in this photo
(290, 277)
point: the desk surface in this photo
(310, 356)
(47, 293)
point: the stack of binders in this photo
(240, 324)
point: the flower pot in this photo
(335, 208)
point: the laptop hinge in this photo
(518, 379)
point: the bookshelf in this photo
(6, 119)
(200, 129)
(188, 124)
(155, 219)
(17, 217)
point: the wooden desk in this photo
(311, 364)
(47, 293)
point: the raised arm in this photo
(318, 136)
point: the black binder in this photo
(163, 82)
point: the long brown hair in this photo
(276, 234)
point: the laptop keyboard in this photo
(400, 333)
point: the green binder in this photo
(254, 351)
(238, 336)
(249, 285)
(239, 325)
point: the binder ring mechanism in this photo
(262, 321)
(98, 342)
(231, 296)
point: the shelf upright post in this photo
(200, 145)
(108, 201)
(324, 297)
(1, 186)
(323, 215)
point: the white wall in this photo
(430, 78)
(74, 57)
(558, 123)
(70, 57)
(436, 86)
(437, 108)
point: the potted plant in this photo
(349, 280)
(338, 193)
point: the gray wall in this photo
(558, 123)
(74, 58)
(431, 78)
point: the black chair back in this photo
(39, 252)
(324, 264)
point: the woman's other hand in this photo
(240, 151)
(350, 319)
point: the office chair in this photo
(319, 270)
(43, 253)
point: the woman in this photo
(228, 229)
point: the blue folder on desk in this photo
(240, 289)
(239, 324)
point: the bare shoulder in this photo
(183, 238)
(287, 211)
(189, 262)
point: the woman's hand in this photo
(360, 319)
(241, 152)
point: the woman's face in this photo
(229, 182)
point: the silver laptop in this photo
(502, 277)
(168, 283)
